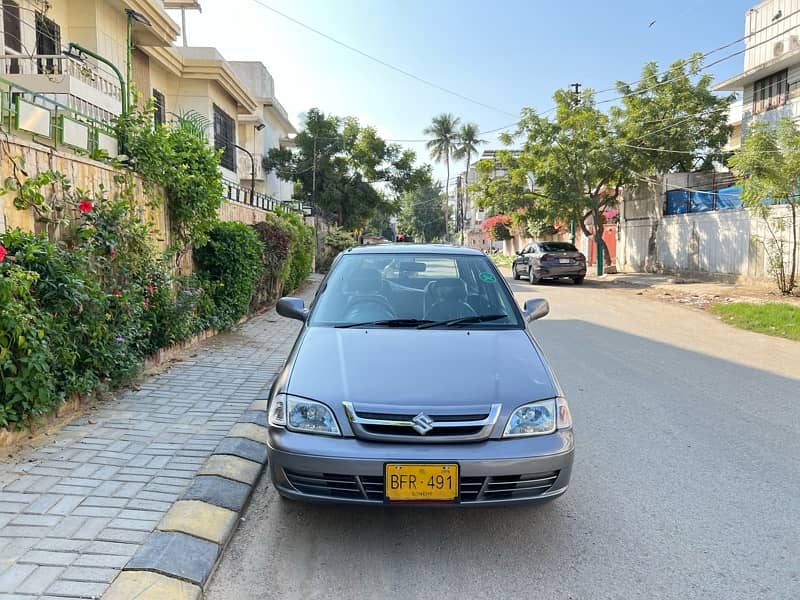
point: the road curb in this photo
(178, 558)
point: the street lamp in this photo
(252, 172)
(139, 18)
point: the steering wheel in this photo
(381, 309)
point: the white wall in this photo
(725, 242)
(785, 31)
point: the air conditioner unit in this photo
(777, 49)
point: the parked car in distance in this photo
(416, 379)
(549, 260)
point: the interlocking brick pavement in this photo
(73, 512)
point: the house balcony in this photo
(77, 85)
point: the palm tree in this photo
(444, 138)
(467, 145)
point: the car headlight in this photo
(539, 418)
(305, 416)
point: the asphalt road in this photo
(686, 482)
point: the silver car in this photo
(415, 379)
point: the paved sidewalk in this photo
(73, 513)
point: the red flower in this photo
(117, 292)
(3, 253)
(147, 303)
(85, 206)
(113, 254)
(151, 289)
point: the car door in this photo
(530, 256)
(519, 264)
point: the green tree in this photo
(444, 141)
(580, 159)
(467, 145)
(673, 119)
(423, 213)
(344, 168)
(577, 161)
(768, 169)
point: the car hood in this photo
(419, 369)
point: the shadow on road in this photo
(685, 464)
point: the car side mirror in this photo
(535, 308)
(292, 308)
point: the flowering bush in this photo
(497, 227)
(27, 388)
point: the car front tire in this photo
(578, 280)
(515, 273)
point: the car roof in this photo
(406, 248)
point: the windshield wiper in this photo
(386, 323)
(463, 321)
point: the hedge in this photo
(80, 317)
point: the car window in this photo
(557, 247)
(362, 288)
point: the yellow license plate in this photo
(421, 482)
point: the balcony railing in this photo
(242, 195)
(88, 89)
(52, 123)
(53, 65)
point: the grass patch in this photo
(502, 260)
(774, 318)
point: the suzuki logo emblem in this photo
(422, 423)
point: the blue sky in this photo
(504, 53)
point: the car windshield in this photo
(557, 247)
(415, 291)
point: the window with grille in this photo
(160, 114)
(225, 137)
(48, 43)
(13, 35)
(770, 92)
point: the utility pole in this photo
(576, 90)
(315, 208)
(460, 209)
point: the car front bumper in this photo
(348, 470)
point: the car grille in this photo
(473, 489)
(441, 427)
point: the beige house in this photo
(65, 66)
(267, 127)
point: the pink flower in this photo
(85, 206)
(113, 254)
(3, 253)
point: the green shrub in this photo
(277, 240)
(77, 305)
(334, 242)
(180, 159)
(301, 251)
(230, 265)
(27, 388)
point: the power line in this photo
(382, 62)
(717, 49)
